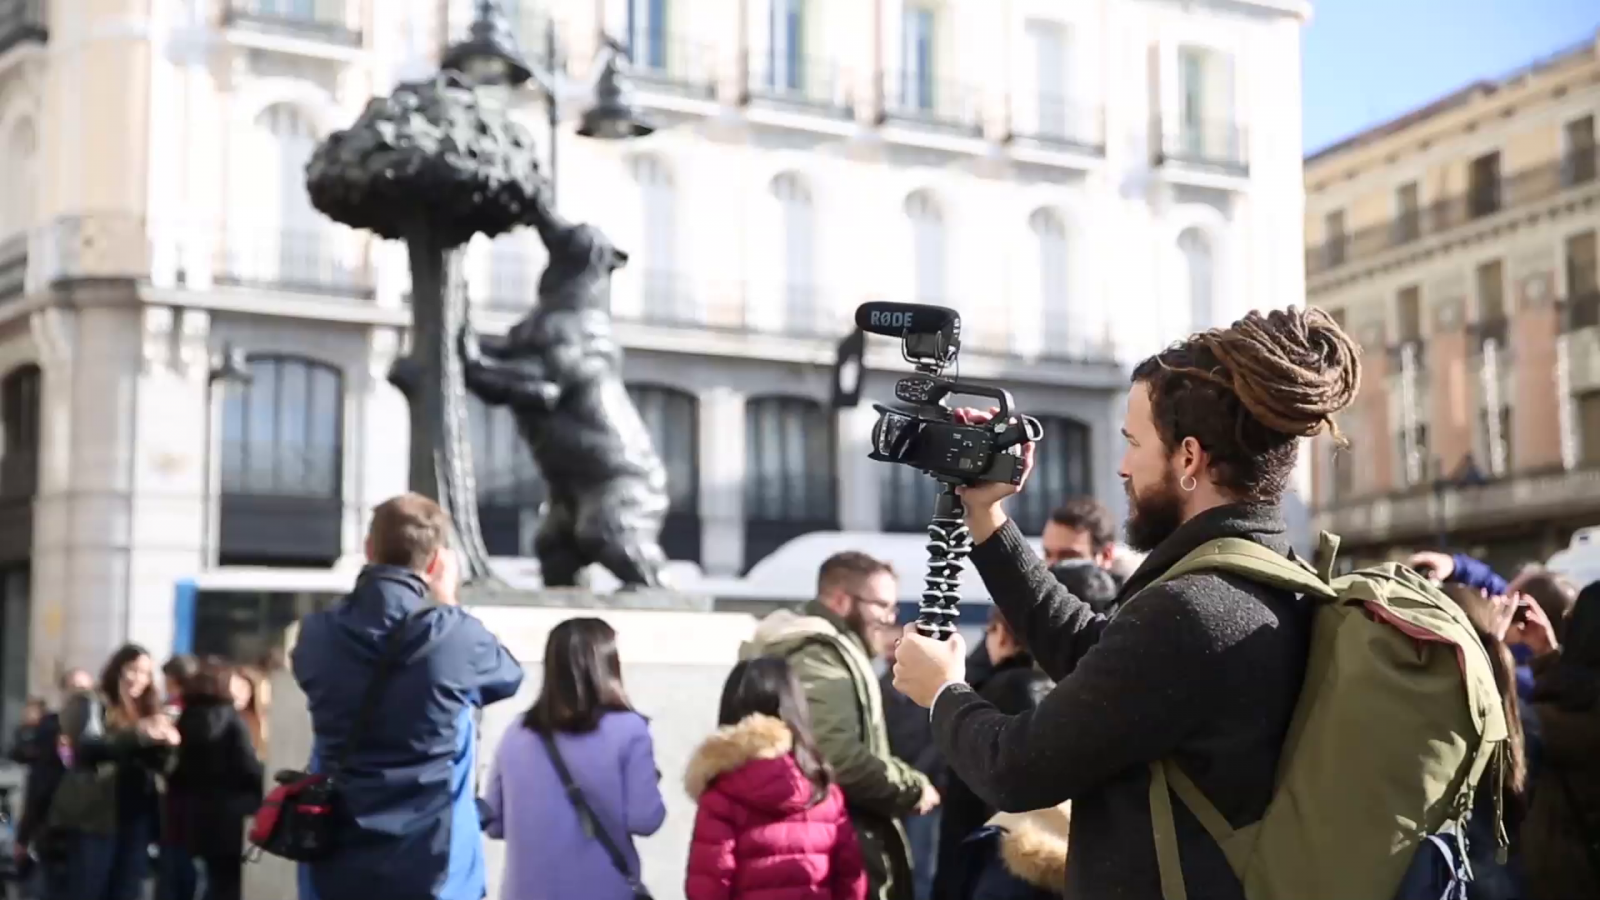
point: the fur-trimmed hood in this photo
(751, 763)
(1034, 846)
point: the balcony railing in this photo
(331, 260)
(13, 266)
(318, 20)
(22, 21)
(801, 84)
(1427, 509)
(1057, 122)
(1582, 311)
(1219, 147)
(667, 63)
(915, 99)
(1496, 329)
(1519, 189)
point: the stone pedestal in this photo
(675, 656)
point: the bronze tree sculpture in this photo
(432, 165)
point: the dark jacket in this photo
(409, 785)
(217, 781)
(44, 776)
(910, 732)
(1013, 686)
(1555, 859)
(1204, 669)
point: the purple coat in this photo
(548, 857)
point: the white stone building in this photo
(1082, 181)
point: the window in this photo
(1199, 264)
(789, 460)
(510, 487)
(1415, 459)
(1583, 266)
(1483, 185)
(1579, 165)
(19, 413)
(800, 301)
(647, 32)
(1491, 292)
(1205, 104)
(1050, 60)
(1496, 442)
(1333, 243)
(927, 247)
(786, 69)
(1055, 305)
(1409, 313)
(1589, 428)
(673, 420)
(278, 238)
(1060, 473)
(16, 181)
(665, 296)
(283, 433)
(1343, 474)
(919, 55)
(1408, 213)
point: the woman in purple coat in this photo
(554, 851)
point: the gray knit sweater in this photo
(1204, 669)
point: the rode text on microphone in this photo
(925, 435)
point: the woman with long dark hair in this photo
(1561, 837)
(771, 824)
(218, 779)
(583, 725)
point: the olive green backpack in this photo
(1397, 721)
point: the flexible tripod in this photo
(949, 542)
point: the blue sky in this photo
(1367, 61)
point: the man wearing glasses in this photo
(829, 644)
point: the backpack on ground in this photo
(1397, 721)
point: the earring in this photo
(1188, 483)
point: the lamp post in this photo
(490, 59)
(231, 365)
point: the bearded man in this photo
(1204, 669)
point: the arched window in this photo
(510, 487)
(1060, 470)
(800, 301)
(276, 237)
(1200, 277)
(282, 451)
(927, 247)
(673, 418)
(19, 412)
(665, 297)
(1050, 241)
(789, 472)
(905, 498)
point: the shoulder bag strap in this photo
(591, 822)
(393, 643)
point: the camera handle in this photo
(949, 542)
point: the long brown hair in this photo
(146, 704)
(767, 686)
(1480, 612)
(582, 679)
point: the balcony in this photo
(13, 266)
(1528, 187)
(22, 21)
(1213, 148)
(1496, 329)
(1449, 507)
(323, 22)
(1582, 311)
(919, 102)
(803, 86)
(664, 64)
(1057, 124)
(330, 261)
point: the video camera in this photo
(925, 434)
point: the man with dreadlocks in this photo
(1205, 668)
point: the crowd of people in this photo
(1126, 717)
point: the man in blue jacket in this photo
(408, 784)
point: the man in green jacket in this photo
(828, 644)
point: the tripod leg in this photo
(949, 542)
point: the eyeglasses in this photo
(880, 605)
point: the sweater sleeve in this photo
(1056, 627)
(847, 871)
(711, 857)
(642, 783)
(1475, 573)
(1132, 698)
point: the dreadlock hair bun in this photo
(1292, 370)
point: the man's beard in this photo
(864, 629)
(1153, 514)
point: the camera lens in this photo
(894, 435)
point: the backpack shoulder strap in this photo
(1251, 560)
(388, 659)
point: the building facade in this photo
(1079, 180)
(1458, 244)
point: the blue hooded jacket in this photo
(409, 785)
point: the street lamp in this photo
(489, 58)
(231, 365)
